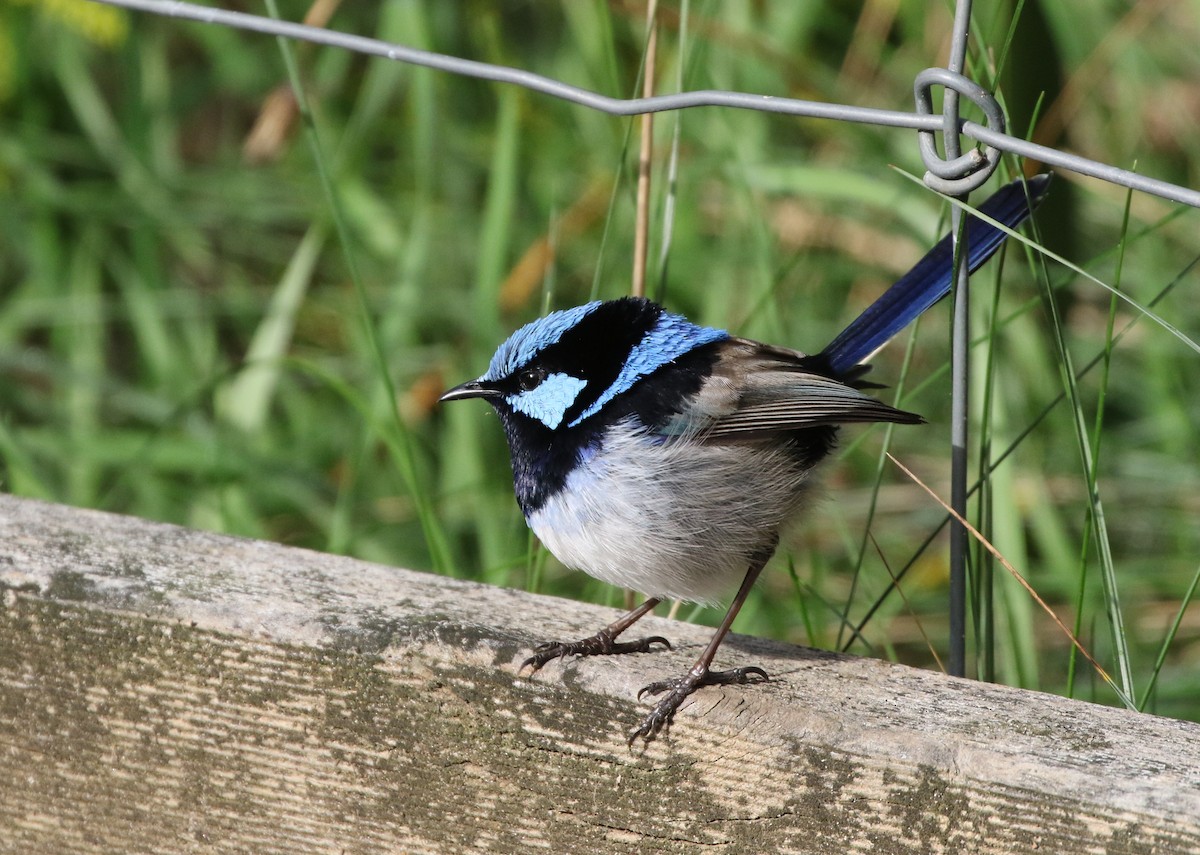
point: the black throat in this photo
(542, 458)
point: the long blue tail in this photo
(930, 278)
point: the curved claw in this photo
(535, 662)
(655, 688)
(751, 670)
(548, 651)
(650, 728)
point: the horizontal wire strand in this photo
(658, 103)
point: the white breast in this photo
(675, 519)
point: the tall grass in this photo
(254, 342)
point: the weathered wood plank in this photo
(165, 690)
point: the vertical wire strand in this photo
(959, 367)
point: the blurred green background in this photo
(194, 329)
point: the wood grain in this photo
(166, 690)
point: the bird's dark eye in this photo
(530, 379)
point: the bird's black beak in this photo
(470, 389)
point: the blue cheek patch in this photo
(550, 400)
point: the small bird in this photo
(665, 457)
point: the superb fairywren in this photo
(665, 457)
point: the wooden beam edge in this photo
(287, 700)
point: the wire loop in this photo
(961, 175)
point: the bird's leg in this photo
(701, 674)
(602, 643)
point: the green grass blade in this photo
(403, 453)
(246, 400)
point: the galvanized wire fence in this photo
(957, 173)
(974, 167)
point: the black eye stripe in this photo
(597, 347)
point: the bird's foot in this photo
(602, 643)
(678, 689)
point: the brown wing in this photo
(758, 389)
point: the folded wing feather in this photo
(758, 390)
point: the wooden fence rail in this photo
(166, 690)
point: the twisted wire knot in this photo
(960, 175)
